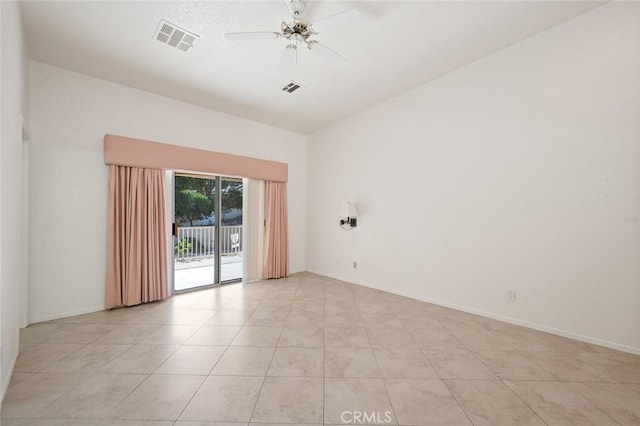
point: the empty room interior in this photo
(315, 212)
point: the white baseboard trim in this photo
(66, 314)
(509, 320)
(5, 386)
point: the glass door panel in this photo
(194, 241)
(231, 229)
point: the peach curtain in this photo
(136, 237)
(276, 256)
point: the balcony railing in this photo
(198, 242)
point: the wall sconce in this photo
(348, 215)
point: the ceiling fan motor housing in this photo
(299, 28)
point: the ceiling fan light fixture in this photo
(301, 30)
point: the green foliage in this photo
(183, 247)
(194, 198)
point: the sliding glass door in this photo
(207, 231)
(231, 229)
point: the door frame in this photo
(217, 231)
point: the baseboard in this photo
(509, 320)
(5, 386)
(66, 314)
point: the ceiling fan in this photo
(301, 32)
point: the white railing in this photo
(198, 242)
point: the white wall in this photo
(517, 172)
(70, 114)
(15, 87)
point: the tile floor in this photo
(310, 350)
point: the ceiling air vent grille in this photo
(174, 36)
(291, 87)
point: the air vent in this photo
(174, 36)
(291, 87)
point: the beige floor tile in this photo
(458, 364)
(619, 401)
(158, 398)
(623, 368)
(347, 319)
(418, 321)
(524, 339)
(346, 338)
(224, 399)
(51, 422)
(90, 358)
(305, 319)
(176, 316)
(196, 360)
(179, 423)
(297, 362)
(229, 317)
(391, 338)
(567, 366)
(128, 334)
(244, 361)
(380, 320)
(94, 398)
(134, 423)
(512, 365)
(210, 304)
(170, 335)
(79, 333)
(214, 335)
(313, 328)
(312, 304)
(191, 317)
(373, 305)
(267, 319)
(241, 304)
(38, 356)
(281, 424)
(38, 333)
(476, 337)
(307, 337)
(350, 362)
(257, 336)
(278, 299)
(141, 359)
(491, 403)
(436, 339)
(404, 364)
(362, 395)
(556, 403)
(423, 402)
(334, 306)
(28, 393)
(290, 400)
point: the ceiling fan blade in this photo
(330, 55)
(340, 19)
(251, 35)
(289, 61)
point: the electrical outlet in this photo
(355, 265)
(511, 296)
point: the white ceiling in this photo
(396, 46)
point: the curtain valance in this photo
(123, 151)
